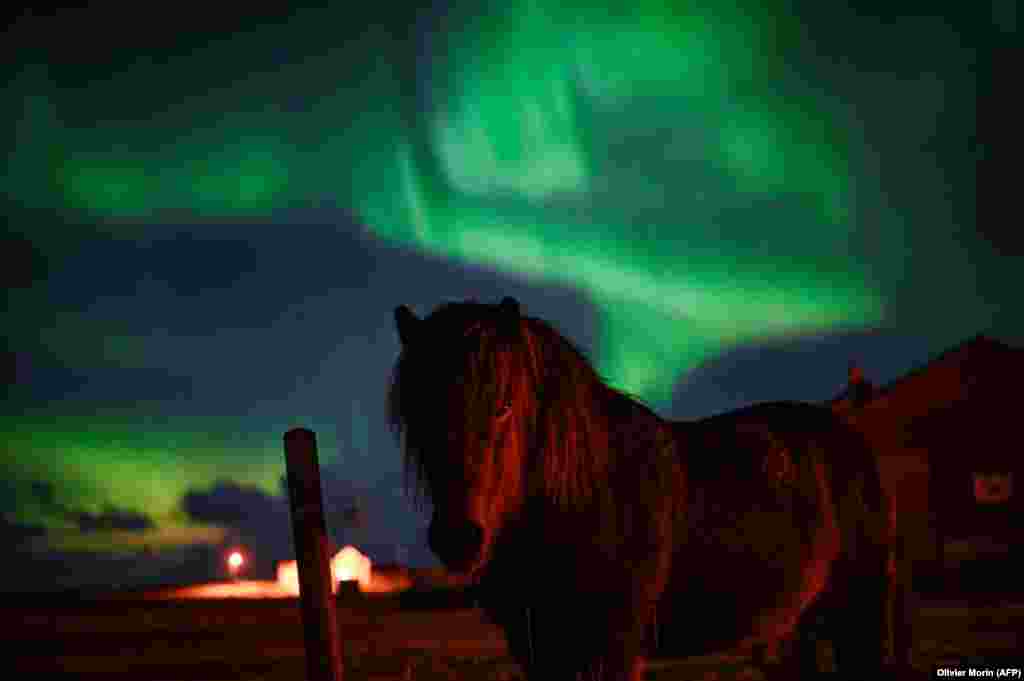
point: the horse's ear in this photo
(508, 316)
(408, 325)
(509, 307)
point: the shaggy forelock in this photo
(466, 347)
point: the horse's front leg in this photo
(613, 667)
(620, 660)
(618, 655)
(621, 620)
(576, 643)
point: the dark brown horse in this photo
(583, 518)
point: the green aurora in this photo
(676, 163)
(110, 463)
(635, 157)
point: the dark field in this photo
(262, 639)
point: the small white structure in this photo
(347, 564)
(288, 576)
(350, 564)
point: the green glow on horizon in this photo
(98, 464)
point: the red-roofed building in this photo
(950, 451)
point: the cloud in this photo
(27, 509)
(230, 504)
(112, 519)
(253, 518)
(16, 494)
(119, 541)
(38, 500)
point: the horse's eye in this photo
(504, 409)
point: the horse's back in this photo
(779, 444)
(769, 514)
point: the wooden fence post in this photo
(309, 532)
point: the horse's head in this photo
(464, 400)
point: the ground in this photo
(252, 639)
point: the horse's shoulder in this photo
(766, 438)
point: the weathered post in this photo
(903, 605)
(319, 618)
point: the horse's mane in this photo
(576, 410)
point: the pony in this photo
(596, 533)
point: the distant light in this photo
(236, 560)
(288, 576)
(349, 564)
(346, 565)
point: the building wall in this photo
(933, 430)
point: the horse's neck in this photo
(643, 444)
(622, 410)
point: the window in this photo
(993, 487)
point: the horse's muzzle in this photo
(459, 545)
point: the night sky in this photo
(211, 218)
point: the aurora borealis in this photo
(553, 159)
(226, 209)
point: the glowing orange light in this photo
(347, 564)
(288, 576)
(236, 559)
